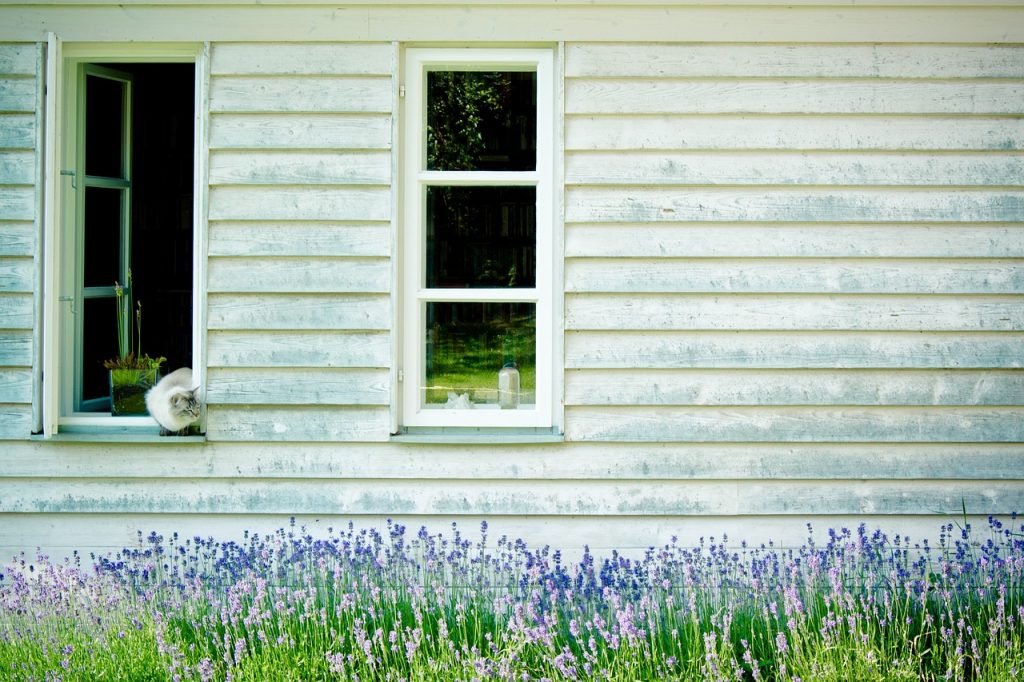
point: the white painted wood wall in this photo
(792, 286)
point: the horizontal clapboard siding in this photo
(757, 236)
(597, 498)
(299, 269)
(19, 213)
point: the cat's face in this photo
(185, 405)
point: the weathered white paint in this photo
(567, 462)
(796, 424)
(297, 424)
(257, 94)
(290, 238)
(300, 131)
(678, 60)
(784, 168)
(897, 276)
(793, 312)
(321, 349)
(794, 349)
(825, 133)
(767, 96)
(786, 240)
(306, 386)
(788, 387)
(307, 274)
(646, 204)
(292, 311)
(793, 277)
(323, 59)
(767, 21)
(300, 168)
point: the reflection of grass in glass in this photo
(480, 382)
(465, 357)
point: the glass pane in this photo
(481, 120)
(99, 330)
(481, 237)
(104, 123)
(469, 344)
(102, 236)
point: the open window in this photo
(477, 255)
(124, 226)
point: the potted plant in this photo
(132, 372)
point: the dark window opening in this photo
(161, 223)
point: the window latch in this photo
(74, 184)
(71, 300)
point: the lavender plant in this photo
(358, 604)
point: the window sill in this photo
(477, 436)
(146, 432)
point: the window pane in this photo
(102, 236)
(481, 237)
(481, 120)
(99, 329)
(103, 127)
(468, 344)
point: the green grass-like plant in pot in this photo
(132, 372)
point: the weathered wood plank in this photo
(300, 349)
(302, 58)
(299, 239)
(793, 312)
(803, 387)
(745, 168)
(284, 386)
(15, 422)
(15, 311)
(796, 424)
(667, 60)
(295, 312)
(17, 131)
(17, 95)
(501, 498)
(312, 424)
(794, 133)
(300, 168)
(18, 59)
(564, 461)
(781, 350)
(312, 94)
(16, 275)
(794, 276)
(16, 385)
(644, 204)
(15, 348)
(300, 275)
(18, 203)
(530, 23)
(17, 167)
(701, 240)
(300, 131)
(766, 96)
(299, 203)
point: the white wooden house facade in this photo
(782, 277)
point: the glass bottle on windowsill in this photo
(508, 386)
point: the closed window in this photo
(477, 255)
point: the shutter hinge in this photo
(401, 91)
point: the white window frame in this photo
(60, 249)
(416, 178)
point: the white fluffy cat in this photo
(174, 402)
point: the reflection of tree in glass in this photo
(465, 111)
